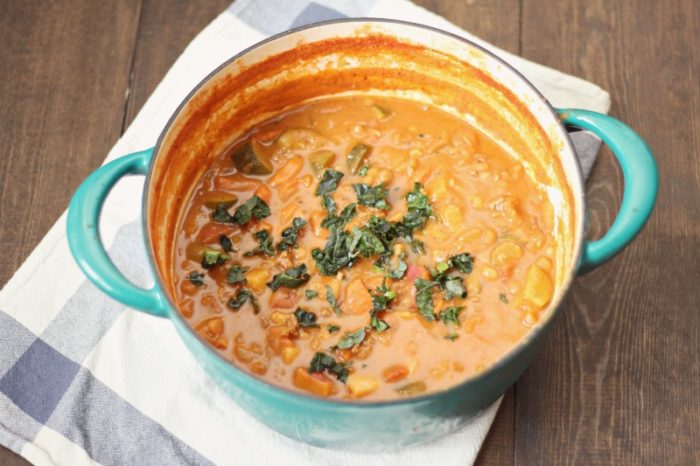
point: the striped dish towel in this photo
(85, 380)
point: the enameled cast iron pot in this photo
(376, 57)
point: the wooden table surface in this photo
(618, 381)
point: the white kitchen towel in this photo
(84, 380)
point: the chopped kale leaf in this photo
(329, 204)
(424, 298)
(336, 222)
(221, 213)
(196, 278)
(290, 234)
(253, 208)
(352, 339)
(226, 243)
(293, 277)
(329, 182)
(212, 258)
(325, 362)
(236, 274)
(337, 253)
(264, 245)
(330, 297)
(450, 314)
(463, 262)
(372, 196)
(305, 319)
(240, 299)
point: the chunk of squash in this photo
(317, 383)
(251, 158)
(357, 156)
(357, 298)
(301, 139)
(321, 159)
(361, 384)
(538, 287)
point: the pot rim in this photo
(505, 359)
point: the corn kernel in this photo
(489, 273)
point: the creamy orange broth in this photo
(482, 203)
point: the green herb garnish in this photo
(325, 362)
(330, 297)
(336, 222)
(363, 170)
(337, 253)
(305, 319)
(293, 277)
(264, 244)
(399, 272)
(352, 339)
(290, 234)
(329, 204)
(329, 182)
(450, 314)
(418, 246)
(503, 298)
(196, 278)
(236, 274)
(333, 328)
(240, 299)
(419, 209)
(368, 243)
(310, 294)
(453, 287)
(463, 262)
(212, 258)
(372, 196)
(226, 243)
(424, 298)
(380, 302)
(252, 208)
(221, 213)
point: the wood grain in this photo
(65, 69)
(618, 381)
(165, 30)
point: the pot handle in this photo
(85, 241)
(641, 183)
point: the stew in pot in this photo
(364, 247)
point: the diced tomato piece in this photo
(237, 182)
(211, 232)
(416, 271)
(264, 193)
(284, 298)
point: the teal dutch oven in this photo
(372, 57)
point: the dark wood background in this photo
(618, 381)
